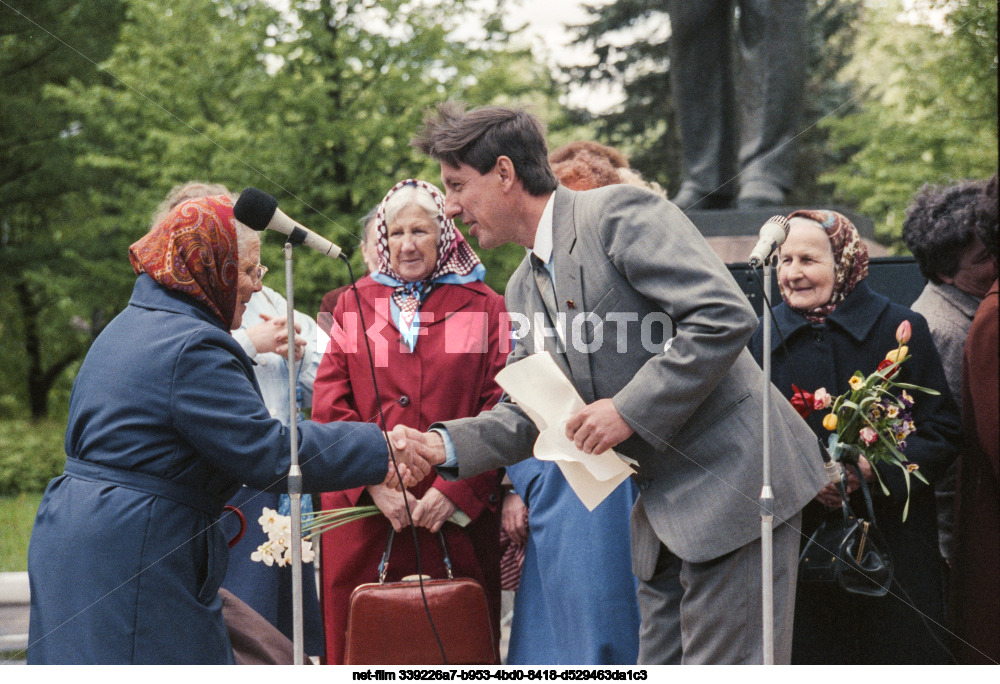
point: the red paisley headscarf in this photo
(193, 250)
(850, 259)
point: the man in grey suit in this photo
(620, 267)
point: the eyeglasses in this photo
(261, 270)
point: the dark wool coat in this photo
(831, 626)
(165, 421)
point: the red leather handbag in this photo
(387, 622)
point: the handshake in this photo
(416, 452)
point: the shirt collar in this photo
(543, 234)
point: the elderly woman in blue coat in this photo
(166, 421)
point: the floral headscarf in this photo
(850, 259)
(456, 262)
(193, 250)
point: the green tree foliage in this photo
(315, 104)
(931, 111)
(46, 296)
(355, 80)
(630, 39)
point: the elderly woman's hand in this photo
(829, 496)
(433, 510)
(271, 335)
(390, 502)
(514, 518)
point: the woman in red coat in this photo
(437, 335)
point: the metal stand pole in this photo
(294, 474)
(766, 495)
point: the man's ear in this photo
(506, 173)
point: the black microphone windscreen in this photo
(255, 208)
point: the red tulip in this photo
(802, 401)
(885, 363)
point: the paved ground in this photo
(14, 616)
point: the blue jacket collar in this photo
(149, 294)
(856, 315)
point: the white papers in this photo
(543, 391)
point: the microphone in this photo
(259, 210)
(772, 234)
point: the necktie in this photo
(544, 283)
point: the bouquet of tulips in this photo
(874, 417)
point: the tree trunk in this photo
(38, 393)
(40, 380)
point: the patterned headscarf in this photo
(456, 262)
(193, 250)
(850, 259)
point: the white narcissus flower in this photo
(278, 544)
(308, 555)
(268, 519)
(263, 555)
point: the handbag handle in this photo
(243, 523)
(863, 486)
(383, 566)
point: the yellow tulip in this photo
(856, 382)
(897, 355)
(830, 421)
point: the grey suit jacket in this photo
(623, 258)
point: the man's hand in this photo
(271, 335)
(390, 502)
(433, 510)
(416, 451)
(424, 447)
(597, 427)
(514, 518)
(829, 496)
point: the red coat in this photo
(975, 572)
(450, 375)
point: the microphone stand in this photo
(766, 494)
(294, 473)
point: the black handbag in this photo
(848, 551)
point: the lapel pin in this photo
(570, 304)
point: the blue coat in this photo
(165, 421)
(832, 627)
(576, 603)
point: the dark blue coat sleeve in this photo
(225, 420)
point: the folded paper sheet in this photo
(543, 391)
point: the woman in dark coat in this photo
(834, 325)
(437, 334)
(165, 421)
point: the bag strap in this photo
(865, 493)
(383, 566)
(845, 506)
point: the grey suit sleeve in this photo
(666, 260)
(501, 436)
